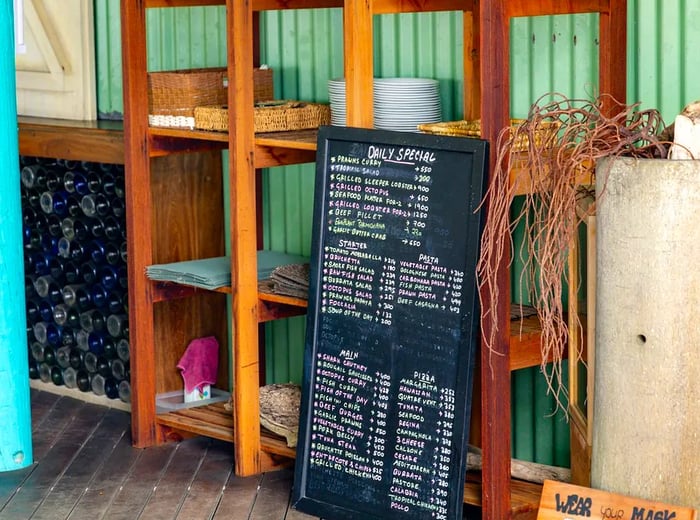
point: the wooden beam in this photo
(495, 359)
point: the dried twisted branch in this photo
(552, 155)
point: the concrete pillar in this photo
(15, 412)
(646, 440)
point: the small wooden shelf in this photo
(215, 421)
(271, 306)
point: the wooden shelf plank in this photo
(210, 420)
(216, 421)
(98, 141)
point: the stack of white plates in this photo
(403, 103)
(399, 103)
(336, 95)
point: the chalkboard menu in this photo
(392, 325)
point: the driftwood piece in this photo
(522, 469)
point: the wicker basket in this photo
(278, 116)
(173, 95)
(473, 129)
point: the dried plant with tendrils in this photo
(551, 157)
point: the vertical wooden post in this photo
(359, 69)
(495, 364)
(246, 364)
(15, 412)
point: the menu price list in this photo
(392, 329)
(353, 437)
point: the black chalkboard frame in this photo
(475, 153)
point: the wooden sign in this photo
(568, 502)
(392, 326)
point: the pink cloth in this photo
(200, 363)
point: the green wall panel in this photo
(304, 48)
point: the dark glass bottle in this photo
(118, 369)
(37, 350)
(70, 377)
(125, 391)
(111, 388)
(99, 296)
(108, 184)
(77, 296)
(75, 358)
(73, 207)
(38, 263)
(57, 375)
(47, 333)
(95, 205)
(71, 272)
(96, 251)
(72, 294)
(116, 324)
(104, 366)
(118, 209)
(44, 372)
(115, 302)
(124, 283)
(97, 228)
(63, 356)
(80, 183)
(81, 339)
(33, 199)
(69, 181)
(29, 285)
(49, 355)
(109, 277)
(68, 336)
(94, 182)
(66, 315)
(42, 284)
(89, 272)
(109, 346)
(54, 225)
(33, 311)
(97, 384)
(33, 369)
(90, 362)
(92, 320)
(54, 202)
(49, 244)
(123, 349)
(57, 269)
(119, 189)
(46, 310)
(112, 228)
(82, 379)
(112, 254)
(96, 342)
(74, 228)
(33, 176)
(54, 180)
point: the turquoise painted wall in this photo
(304, 48)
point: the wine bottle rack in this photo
(75, 274)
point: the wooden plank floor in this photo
(85, 468)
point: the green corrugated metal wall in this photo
(305, 49)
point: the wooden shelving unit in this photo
(174, 200)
